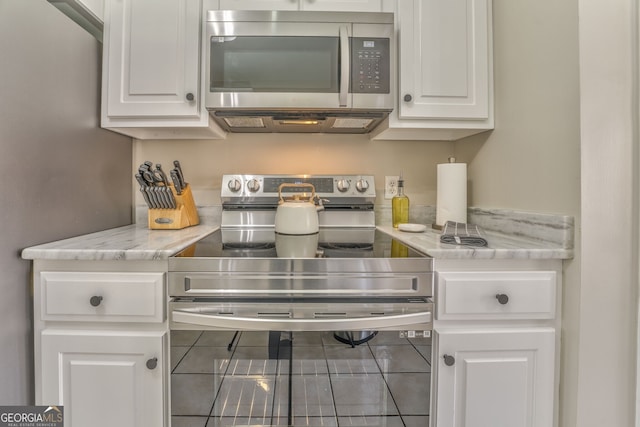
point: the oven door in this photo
(300, 364)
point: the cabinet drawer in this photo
(102, 297)
(495, 295)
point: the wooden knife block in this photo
(184, 215)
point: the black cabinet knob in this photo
(190, 97)
(449, 360)
(408, 98)
(95, 300)
(502, 298)
(152, 363)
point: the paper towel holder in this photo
(435, 226)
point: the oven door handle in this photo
(317, 324)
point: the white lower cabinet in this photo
(105, 378)
(101, 341)
(496, 340)
(495, 378)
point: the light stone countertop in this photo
(520, 235)
(500, 246)
(137, 242)
(131, 243)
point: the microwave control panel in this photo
(370, 65)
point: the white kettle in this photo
(297, 215)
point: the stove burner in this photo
(249, 245)
(347, 246)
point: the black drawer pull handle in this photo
(502, 298)
(95, 300)
(408, 98)
(152, 363)
(190, 97)
(449, 360)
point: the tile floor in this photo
(384, 382)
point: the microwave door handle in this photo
(288, 324)
(345, 66)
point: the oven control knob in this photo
(234, 185)
(362, 185)
(343, 185)
(253, 185)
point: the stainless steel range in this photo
(270, 330)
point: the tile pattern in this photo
(384, 382)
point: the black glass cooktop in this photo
(328, 243)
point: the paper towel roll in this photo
(451, 198)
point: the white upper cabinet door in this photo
(345, 5)
(152, 58)
(259, 4)
(319, 5)
(444, 59)
(500, 378)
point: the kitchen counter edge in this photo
(137, 242)
(500, 246)
(134, 242)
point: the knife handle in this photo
(176, 164)
(176, 181)
(143, 189)
(163, 176)
(170, 197)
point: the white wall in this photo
(60, 174)
(610, 188)
(204, 162)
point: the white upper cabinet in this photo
(320, 5)
(151, 69)
(348, 5)
(259, 5)
(445, 88)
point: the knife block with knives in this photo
(171, 204)
(183, 215)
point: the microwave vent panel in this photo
(245, 122)
(352, 123)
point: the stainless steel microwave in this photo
(286, 71)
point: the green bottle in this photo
(400, 206)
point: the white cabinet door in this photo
(321, 5)
(343, 5)
(445, 88)
(259, 4)
(497, 378)
(102, 378)
(444, 59)
(152, 58)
